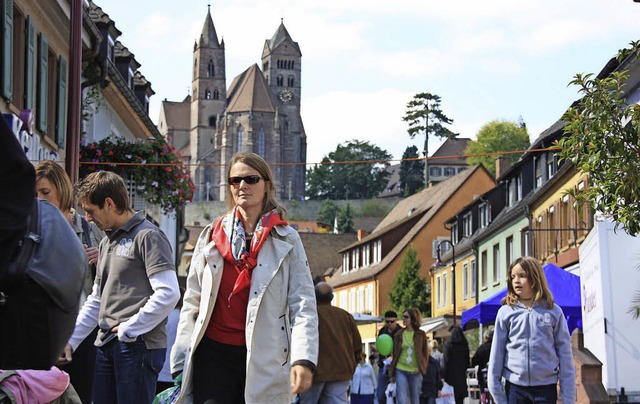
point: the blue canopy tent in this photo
(565, 287)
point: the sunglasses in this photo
(406, 317)
(249, 179)
(390, 321)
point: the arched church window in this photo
(212, 121)
(216, 95)
(240, 145)
(195, 68)
(290, 81)
(261, 143)
(211, 69)
(293, 63)
(280, 80)
(207, 94)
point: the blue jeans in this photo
(383, 381)
(326, 393)
(126, 372)
(408, 386)
(531, 394)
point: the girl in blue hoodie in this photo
(531, 345)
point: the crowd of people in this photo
(252, 326)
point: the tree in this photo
(497, 136)
(327, 212)
(411, 178)
(355, 170)
(345, 220)
(602, 139)
(409, 288)
(425, 107)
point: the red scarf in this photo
(229, 236)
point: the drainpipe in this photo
(75, 97)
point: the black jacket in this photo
(432, 380)
(481, 359)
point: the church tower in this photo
(208, 103)
(282, 67)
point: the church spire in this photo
(208, 37)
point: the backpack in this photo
(40, 291)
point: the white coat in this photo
(281, 323)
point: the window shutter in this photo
(61, 103)
(43, 83)
(29, 62)
(7, 49)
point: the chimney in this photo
(361, 234)
(502, 165)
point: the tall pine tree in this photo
(409, 288)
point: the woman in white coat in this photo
(248, 329)
(363, 384)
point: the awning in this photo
(365, 318)
(433, 324)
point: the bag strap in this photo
(16, 270)
(5, 393)
(86, 232)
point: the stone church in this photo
(258, 112)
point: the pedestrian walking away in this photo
(340, 351)
(456, 362)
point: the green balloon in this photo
(384, 344)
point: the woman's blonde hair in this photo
(260, 165)
(58, 178)
(535, 275)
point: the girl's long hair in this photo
(535, 275)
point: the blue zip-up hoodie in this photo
(531, 347)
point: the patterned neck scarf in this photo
(231, 241)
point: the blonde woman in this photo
(248, 328)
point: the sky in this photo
(364, 60)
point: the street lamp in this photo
(439, 263)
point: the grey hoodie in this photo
(531, 347)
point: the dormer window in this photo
(484, 214)
(467, 225)
(130, 78)
(454, 233)
(110, 45)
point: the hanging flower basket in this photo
(159, 174)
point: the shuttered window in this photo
(29, 63)
(43, 83)
(7, 49)
(61, 103)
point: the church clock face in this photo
(285, 96)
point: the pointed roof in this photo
(281, 35)
(208, 37)
(249, 92)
